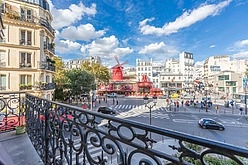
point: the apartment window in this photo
(25, 59)
(25, 37)
(25, 79)
(2, 82)
(26, 15)
(2, 59)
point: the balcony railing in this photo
(62, 134)
(45, 86)
(47, 66)
(25, 42)
(50, 47)
(11, 14)
(25, 65)
(2, 87)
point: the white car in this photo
(112, 95)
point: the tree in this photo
(100, 72)
(79, 81)
(59, 78)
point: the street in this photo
(185, 119)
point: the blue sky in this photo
(157, 29)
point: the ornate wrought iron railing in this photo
(63, 134)
(11, 110)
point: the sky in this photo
(145, 29)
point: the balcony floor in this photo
(19, 148)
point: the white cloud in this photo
(242, 43)
(83, 32)
(241, 55)
(105, 47)
(157, 48)
(212, 46)
(187, 19)
(65, 46)
(66, 17)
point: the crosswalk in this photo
(124, 111)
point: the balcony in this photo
(24, 42)
(13, 15)
(45, 86)
(2, 87)
(62, 134)
(50, 47)
(2, 64)
(47, 66)
(25, 65)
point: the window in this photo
(25, 79)
(25, 59)
(26, 37)
(2, 59)
(2, 82)
(26, 15)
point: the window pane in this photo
(28, 58)
(22, 37)
(2, 80)
(29, 79)
(29, 34)
(22, 58)
(22, 79)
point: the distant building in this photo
(77, 63)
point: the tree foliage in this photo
(59, 78)
(79, 81)
(100, 72)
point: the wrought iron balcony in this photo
(47, 66)
(62, 134)
(50, 47)
(25, 65)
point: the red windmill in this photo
(117, 74)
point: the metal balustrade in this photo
(63, 134)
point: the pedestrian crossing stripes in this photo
(124, 111)
(137, 107)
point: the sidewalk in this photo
(19, 148)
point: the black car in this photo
(210, 124)
(106, 110)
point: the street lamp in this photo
(154, 100)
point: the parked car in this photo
(106, 110)
(208, 123)
(112, 95)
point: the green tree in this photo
(79, 81)
(100, 72)
(59, 78)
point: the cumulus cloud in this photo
(212, 46)
(187, 19)
(83, 32)
(157, 48)
(242, 43)
(105, 47)
(241, 55)
(65, 46)
(66, 17)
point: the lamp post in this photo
(245, 86)
(154, 99)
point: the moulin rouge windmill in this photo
(117, 70)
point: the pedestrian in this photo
(99, 100)
(116, 102)
(182, 103)
(217, 108)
